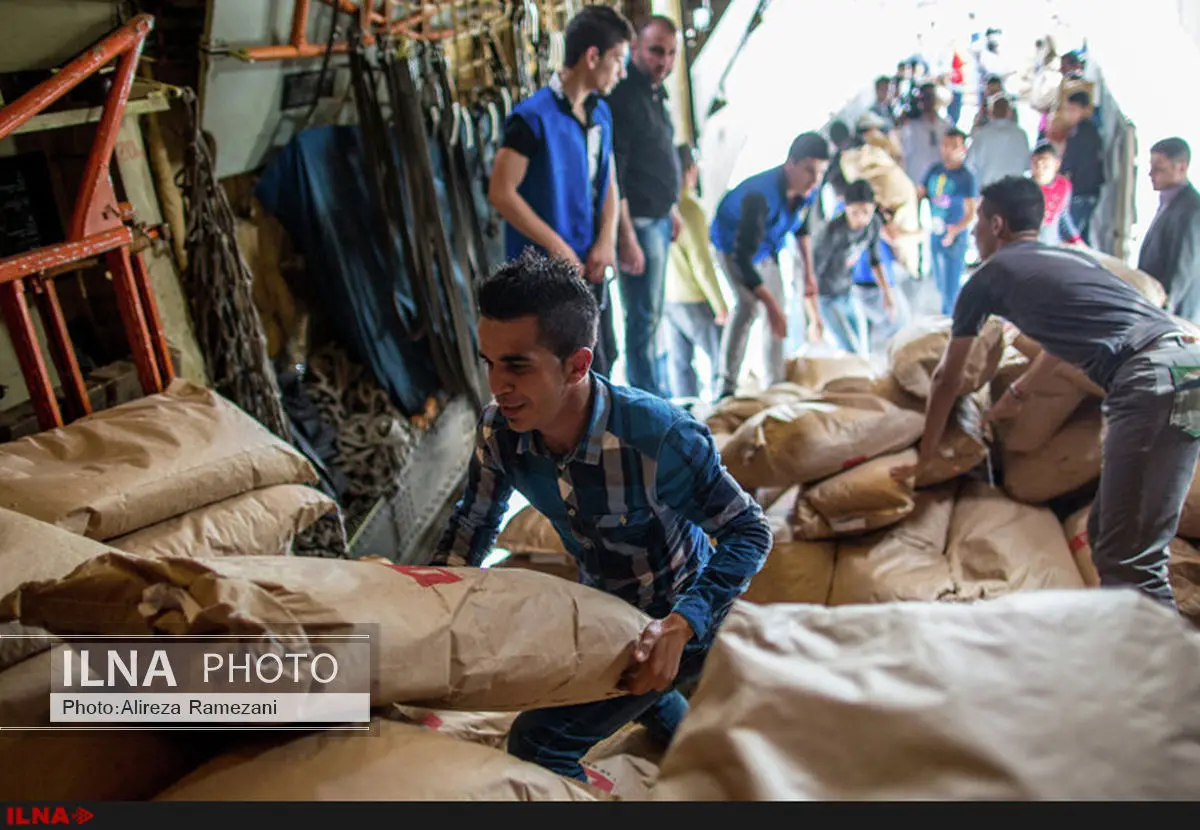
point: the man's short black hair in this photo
(600, 26)
(955, 132)
(548, 288)
(928, 89)
(1018, 200)
(1081, 98)
(808, 146)
(859, 191)
(883, 79)
(839, 133)
(995, 80)
(1175, 149)
(1045, 149)
(662, 20)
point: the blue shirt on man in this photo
(638, 504)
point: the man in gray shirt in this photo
(999, 148)
(1084, 315)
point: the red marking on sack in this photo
(1079, 540)
(432, 721)
(428, 577)
(854, 462)
(598, 779)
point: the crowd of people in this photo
(594, 190)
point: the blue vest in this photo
(780, 220)
(567, 179)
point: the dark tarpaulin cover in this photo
(317, 188)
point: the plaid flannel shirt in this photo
(638, 503)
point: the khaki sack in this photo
(794, 572)
(50, 765)
(780, 514)
(1045, 411)
(256, 523)
(815, 372)
(121, 469)
(487, 728)
(1055, 695)
(804, 442)
(454, 638)
(30, 551)
(861, 499)
(1076, 530)
(906, 562)
(732, 412)
(1144, 283)
(402, 762)
(1189, 519)
(1065, 463)
(1185, 578)
(893, 188)
(999, 546)
(885, 387)
(625, 764)
(1029, 349)
(529, 531)
(915, 352)
(964, 444)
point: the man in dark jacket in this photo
(1083, 162)
(1171, 248)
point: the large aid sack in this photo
(730, 413)
(861, 499)
(1067, 462)
(456, 638)
(794, 571)
(121, 469)
(1053, 695)
(915, 352)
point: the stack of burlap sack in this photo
(172, 515)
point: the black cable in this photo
(312, 107)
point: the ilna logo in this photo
(46, 815)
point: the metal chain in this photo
(374, 438)
(219, 286)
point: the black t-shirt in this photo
(837, 251)
(1066, 301)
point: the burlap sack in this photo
(893, 189)
(530, 532)
(454, 638)
(1045, 411)
(47, 765)
(1065, 463)
(1054, 695)
(487, 728)
(915, 352)
(1185, 578)
(1146, 285)
(1189, 519)
(794, 572)
(625, 764)
(998, 546)
(31, 550)
(257, 523)
(906, 562)
(121, 469)
(885, 387)
(402, 762)
(964, 444)
(815, 372)
(780, 513)
(809, 441)
(1075, 528)
(861, 499)
(1030, 349)
(732, 412)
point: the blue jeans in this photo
(558, 737)
(948, 265)
(1082, 208)
(954, 111)
(642, 295)
(843, 321)
(692, 325)
(868, 300)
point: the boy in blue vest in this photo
(554, 181)
(749, 230)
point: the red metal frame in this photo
(299, 46)
(99, 225)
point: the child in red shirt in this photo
(1057, 226)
